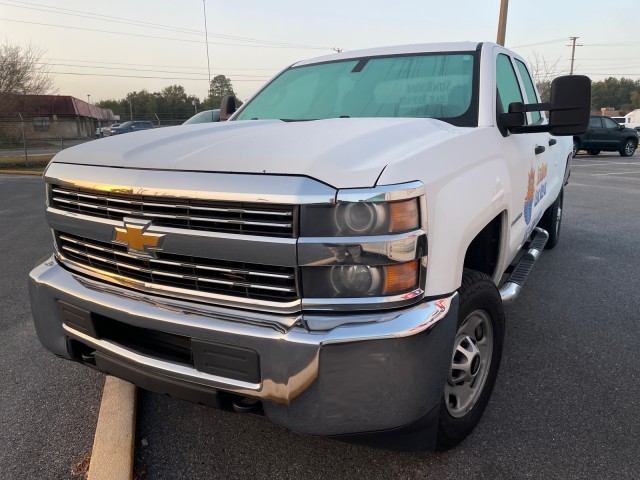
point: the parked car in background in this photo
(606, 134)
(130, 126)
(205, 116)
(105, 131)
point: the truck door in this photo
(591, 139)
(610, 137)
(530, 155)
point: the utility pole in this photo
(502, 22)
(130, 110)
(573, 51)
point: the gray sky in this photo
(105, 48)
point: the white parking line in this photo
(606, 163)
(613, 173)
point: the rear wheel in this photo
(593, 152)
(551, 221)
(576, 146)
(628, 148)
(475, 359)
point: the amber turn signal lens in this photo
(403, 215)
(400, 278)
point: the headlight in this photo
(359, 218)
(366, 251)
(351, 281)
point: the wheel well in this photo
(484, 250)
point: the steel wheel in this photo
(475, 359)
(470, 363)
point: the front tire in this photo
(628, 148)
(475, 359)
(576, 147)
(551, 221)
(593, 152)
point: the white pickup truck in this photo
(334, 257)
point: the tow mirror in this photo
(569, 109)
(227, 107)
(570, 105)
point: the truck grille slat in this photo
(262, 282)
(275, 221)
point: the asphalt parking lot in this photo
(566, 404)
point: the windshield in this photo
(126, 124)
(428, 86)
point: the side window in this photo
(595, 122)
(608, 123)
(507, 83)
(529, 89)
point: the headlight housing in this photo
(360, 281)
(367, 250)
(359, 218)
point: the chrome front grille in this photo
(195, 274)
(210, 216)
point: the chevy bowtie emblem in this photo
(138, 241)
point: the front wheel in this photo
(593, 152)
(551, 221)
(628, 148)
(475, 359)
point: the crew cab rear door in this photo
(532, 158)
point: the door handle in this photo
(539, 149)
(552, 141)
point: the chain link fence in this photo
(31, 141)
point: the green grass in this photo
(37, 164)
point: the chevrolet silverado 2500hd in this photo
(334, 257)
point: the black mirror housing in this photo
(569, 109)
(228, 106)
(570, 105)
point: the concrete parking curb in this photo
(113, 445)
(20, 172)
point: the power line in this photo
(611, 44)
(152, 65)
(127, 21)
(86, 74)
(140, 69)
(144, 36)
(539, 43)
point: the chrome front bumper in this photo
(378, 372)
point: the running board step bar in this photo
(512, 287)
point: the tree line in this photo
(171, 104)
(618, 93)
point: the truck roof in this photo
(394, 50)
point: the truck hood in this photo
(341, 152)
